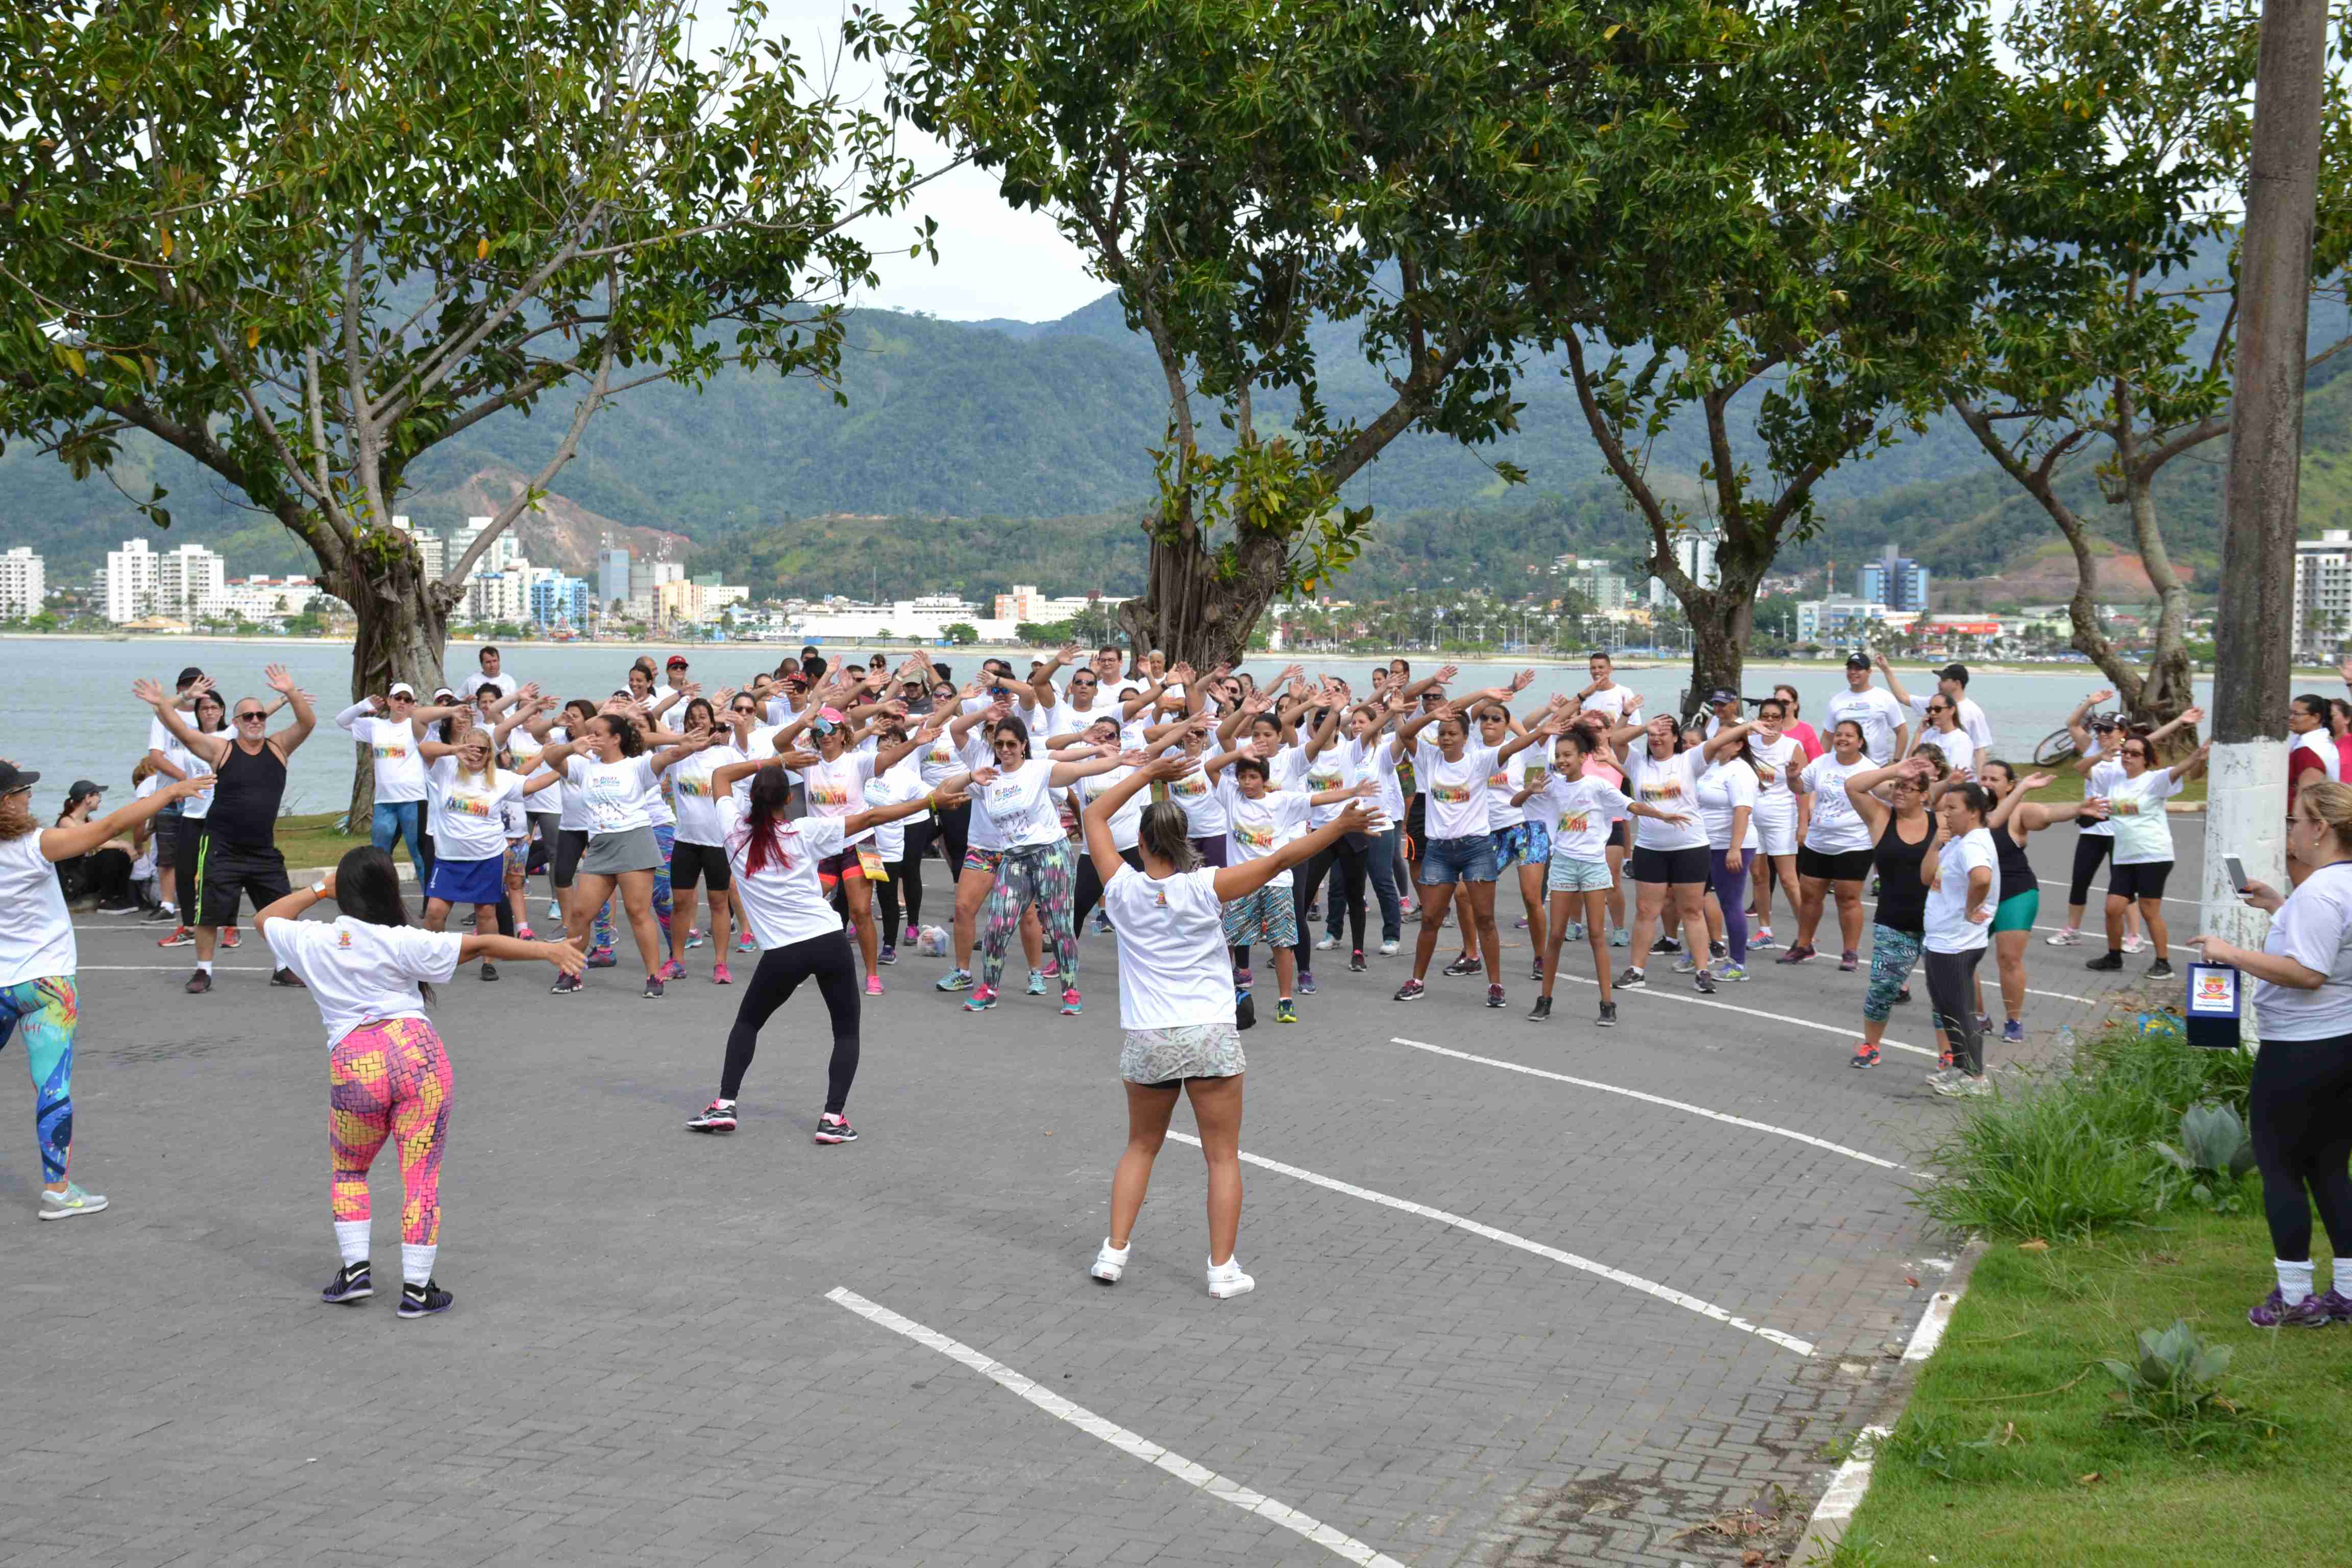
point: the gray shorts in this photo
(1170, 1056)
(610, 854)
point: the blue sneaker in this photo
(554, 911)
(2012, 1033)
(956, 980)
(1306, 983)
(1036, 982)
(981, 999)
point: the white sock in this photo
(1117, 1252)
(205, 964)
(2341, 1280)
(352, 1240)
(416, 1262)
(2293, 1280)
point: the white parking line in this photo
(1648, 1287)
(1118, 1437)
(1653, 1100)
(1850, 1032)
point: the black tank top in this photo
(1902, 897)
(246, 797)
(2016, 873)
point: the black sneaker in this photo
(652, 986)
(1411, 991)
(2107, 962)
(1902, 996)
(1355, 964)
(1463, 965)
(1535, 974)
(423, 1300)
(350, 1284)
(198, 984)
(1542, 1012)
(831, 1129)
(718, 1116)
(289, 979)
(1494, 995)
(1704, 982)
(1632, 980)
(565, 985)
(1668, 944)
(2160, 970)
(489, 970)
(1608, 1019)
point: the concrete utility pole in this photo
(2245, 810)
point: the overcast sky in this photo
(994, 262)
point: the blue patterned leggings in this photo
(1892, 954)
(1040, 874)
(44, 1012)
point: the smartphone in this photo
(2237, 872)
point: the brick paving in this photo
(642, 1368)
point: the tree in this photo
(1256, 186)
(962, 634)
(2092, 354)
(306, 246)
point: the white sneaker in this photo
(1110, 1262)
(1327, 945)
(1961, 1086)
(73, 1202)
(2134, 943)
(1388, 949)
(1940, 1077)
(1226, 1279)
(2070, 937)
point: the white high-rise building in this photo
(2323, 595)
(505, 550)
(129, 581)
(432, 550)
(24, 583)
(190, 581)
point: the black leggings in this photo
(2301, 1106)
(906, 883)
(1351, 854)
(2091, 852)
(1951, 992)
(955, 836)
(1088, 892)
(827, 960)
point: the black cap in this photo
(12, 780)
(189, 676)
(82, 787)
(1958, 672)
(1857, 661)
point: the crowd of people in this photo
(1193, 816)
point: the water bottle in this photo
(2066, 1039)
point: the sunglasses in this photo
(242, 717)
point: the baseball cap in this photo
(826, 721)
(83, 787)
(190, 675)
(677, 661)
(1722, 694)
(401, 688)
(1857, 661)
(1958, 672)
(12, 779)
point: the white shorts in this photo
(1775, 832)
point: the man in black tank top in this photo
(239, 857)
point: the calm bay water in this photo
(67, 711)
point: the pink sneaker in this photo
(1053, 966)
(913, 938)
(718, 976)
(524, 933)
(873, 985)
(673, 970)
(1071, 1004)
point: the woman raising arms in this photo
(2014, 818)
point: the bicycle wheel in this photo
(2056, 747)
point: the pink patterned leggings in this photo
(389, 1080)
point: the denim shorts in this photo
(1570, 875)
(1449, 861)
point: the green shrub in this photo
(2176, 1387)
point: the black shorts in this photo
(226, 872)
(1675, 867)
(2142, 881)
(570, 843)
(165, 838)
(1416, 821)
(1616, 837)
(690, 864)
(1845, 865)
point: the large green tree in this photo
(2090, 354)
(305, 243)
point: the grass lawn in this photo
(1991, 1463)
(2066, 786)
(311, 840)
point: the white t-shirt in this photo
(1579, 814)
(196, 807)
(1127, 822)
(2103, 777)
(2136, 813)
(1723, 789)
(1379, 755)
(506, 682)
(360, 972)
(2320, 744)
(1204, 807)
(1875, 709)
(2310, 928)
(1331, 768)
(1456, 790)
(526, 748)
(895, 786)
(469, 819)
(1610, 704)
(1666, 784)
(1835, 827)
(1174, 970)
(399, 766)
(36, 939)
(1960, 748)
(1505, 779)
(783, 905)
(692, 797)
(1973, 722)
(838, 788)
(1947, 923)
(1021, 804)
(613, 797)
(1777, 763)
(1256, 828)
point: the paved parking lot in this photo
(1559, 1316)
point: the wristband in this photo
(318, 889)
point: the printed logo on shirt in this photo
(1654, 790)
(825, 791)
(2125, 807)
(1499, 779)
(1254, 837)
(343, 939)
(1191, 787)
(1574, 823)
(469, 804)
(1322, 779)
(1450, 795)
(394, 754)
(691, 784)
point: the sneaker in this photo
(1763, 938)
(603, 958)
(565, 985)
(423, 1300)
(1632, 980)
(1941, 1075)
(489, 970)
(1621, 936)
(1327, 945)
(524, 933)
(1242, 978)
(873, 985)
(1286, 1011)
(230, 940)
(1608, 1019)
(890, 954)
(1519, 925)
(1984, 1023)
(2012, 1033)
(71, 1204)
(831, 1129)
(1963, 1086)
(351, 1283)
(1038, 978)
(652, 986)
(1703, 982)
(1541, 1012)
(1669, 944)
(1102, 926)
(1573, 932)
(1465, 965)
(1072, 1002)
(695, 937)
(913, 935)
(2134, 941)
(2339, 1307)
(673, 970)
(1686, 964)
(2273, 1312)
(1864, 1057)
(1110, 1262)
(1355, 964)
(180, 937)
(198, 984)
(2160, 970)
(1535, 971)
(1315, 911)
(161, 912)
(718, 976)
(1388, 947)
(745, 944)
(982, 998)
(1051, 970)
(1799, 952)
(1494, 995)
(289, 979)
(1307, 986)
(2107, 962)
(2070, 937)
(554, 911)
(1411, 991)
(1849, 960)
(718, 1116)
(955, 980)
(1902, 996)
(1226, 1279)
(1728, 970)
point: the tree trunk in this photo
(1190, 609)
(2168, 687)
(1722, 619)
(403, 625)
